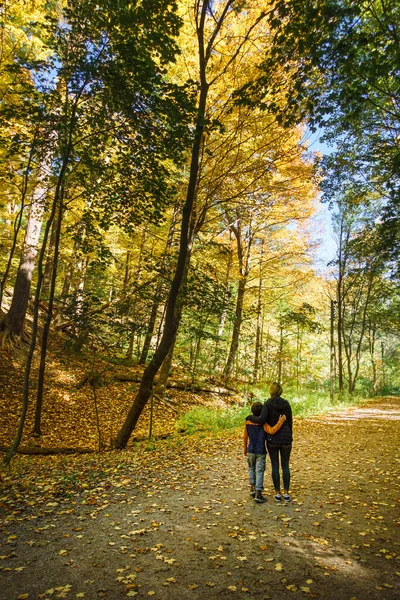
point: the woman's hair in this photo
(275, 389)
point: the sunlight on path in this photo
(385, 410)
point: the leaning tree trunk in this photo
(13, 322)
(174, 302)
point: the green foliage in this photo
(318, 402)
(341, 69)
(201, 419)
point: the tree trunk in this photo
(257, 353)
(174, 302)
(371, 340)
(339, 334)
(236, 330)
(126, 275)
(332, 352)
(244, 269)
(71, 267)
(18, 220)
(224, 313)
(46, 329)
(157, 295)
(165, 369)
(49, 261)
(280, 356)
(151, 324)
(13, 322)
(129, 352)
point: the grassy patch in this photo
(315, 403)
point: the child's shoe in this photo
(253, 491)
(278, 498)
(260, 498)
(287, 498)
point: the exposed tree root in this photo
(12, 339)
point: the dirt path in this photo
(183, 526)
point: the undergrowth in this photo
(202, 419)
(212, 420)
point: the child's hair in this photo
(256, 409)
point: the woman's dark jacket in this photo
(271, 410)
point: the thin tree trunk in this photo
(131, 343)
(257, 353)
(129, 352)
(224, 313)
(371, 340)
(339, 298)
(244, 269)
(236, 329)
(339, 334)
(165, 369)
(46, 329)
(126, 275)
(70, 271)
(332, 352)
(363, 327)
(49, 261)
(280, 356)
(298, 351)
(265, 362)
(151, 324)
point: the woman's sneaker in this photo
(260, 498)
(278, 498)
(287, 498)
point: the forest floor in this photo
(177, 521)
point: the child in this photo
(254, 449)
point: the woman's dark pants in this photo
(274, 452)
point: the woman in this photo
(279, 444)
